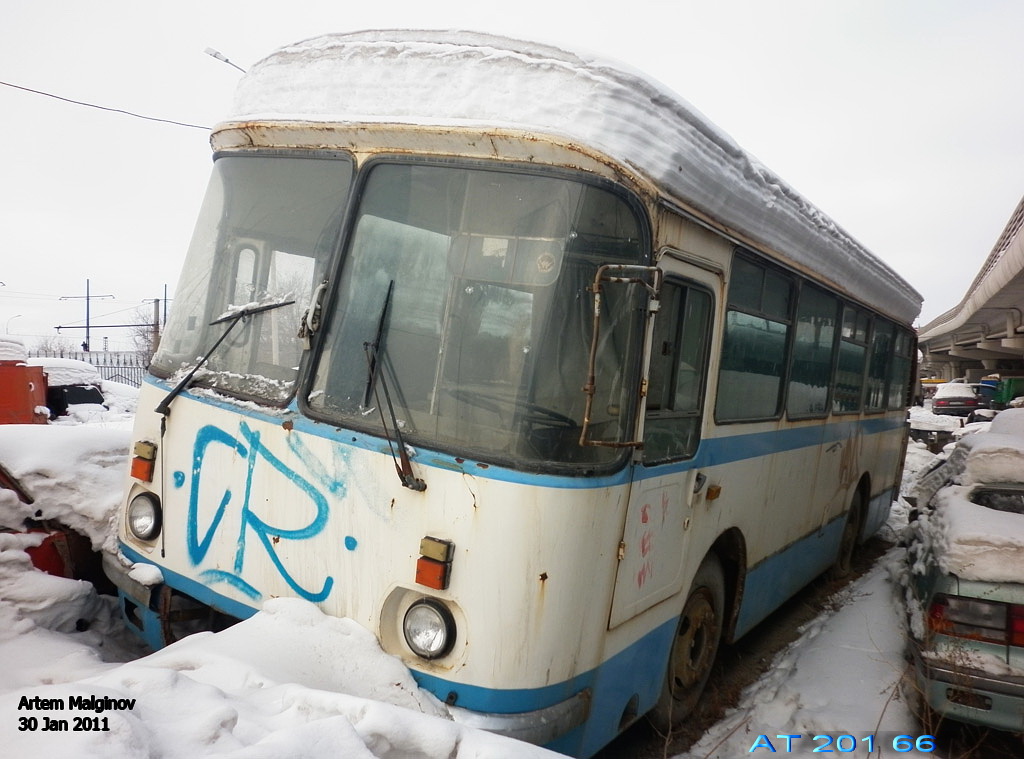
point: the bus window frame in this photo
(684, 283)
(803, 283)
(767, 265)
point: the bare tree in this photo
(145, 335)
(54, 345)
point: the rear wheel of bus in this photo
(843, 566)
(694, 648)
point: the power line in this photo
(103, 107)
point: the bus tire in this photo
(694, 647)
(843, 566)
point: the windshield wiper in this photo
(232, 318)
(374, 349)
(374, 358)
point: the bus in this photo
(510, 355)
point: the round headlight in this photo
(429, 629)
(144, 516)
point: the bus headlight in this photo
(144, 516)
(429, 628)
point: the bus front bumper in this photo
(136, 602)
(538, 727)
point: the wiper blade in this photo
(249, 310)
(164, 407)
(374, 349)
(374, 352)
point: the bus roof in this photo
(467, 79)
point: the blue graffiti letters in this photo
(249, 447)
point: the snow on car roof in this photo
(467, 79)
(67, 371)
(975, 542)
(954, 390)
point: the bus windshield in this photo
(265, 234)
(463, 303)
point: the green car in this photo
(965, 583)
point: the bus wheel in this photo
(694, 647)
(843, 566)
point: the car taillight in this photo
(972, 618)
(941, 403)
(1017, 625)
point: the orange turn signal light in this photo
(433, 574)
(144, 461)
(142, 469)
(434, 566)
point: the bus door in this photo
(660, 517)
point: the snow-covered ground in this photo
(292, 682)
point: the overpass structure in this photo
(984, 333)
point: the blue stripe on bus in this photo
(197, 590)
(638, 670)
(778, 577)
(713, 451)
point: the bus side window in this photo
(755, 344)
(675, 391)
(810, 374)
(880, 366)
(849, 383)
(899, 375)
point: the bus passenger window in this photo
(899, 375)
(878, 372)
(810, 372)
(850, 367)
(755, 343)
(676, 380)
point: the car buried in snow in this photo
(965, 594)
(956, 399)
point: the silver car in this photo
(965, 591)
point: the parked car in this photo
(956, 398)
(965, 598)
(72, 387)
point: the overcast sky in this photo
(901, 119)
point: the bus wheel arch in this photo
(731, 549)
(699, 631)
(853, 525)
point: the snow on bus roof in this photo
(469, 79)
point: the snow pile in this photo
(67, 371)
(34, 598)
(923, 419)
(287, 682)
(975, 542)
(971, 541)
(917, 459)
(839, 677)
(75, 473)
(12, 349)
(998, 455)
(464, 79)
(121, 401)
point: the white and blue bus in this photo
(511, 356)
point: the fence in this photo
(128, 367)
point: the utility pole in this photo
(88, 299)
(156, 324)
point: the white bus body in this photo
(439, 205)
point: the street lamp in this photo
(222, 58)
(7, 328)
